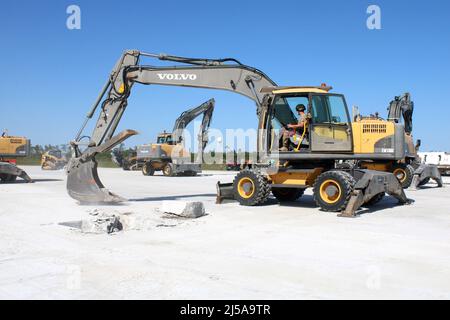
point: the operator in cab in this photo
(294, 128)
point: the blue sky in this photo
(51, 75)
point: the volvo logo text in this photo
(176, 76)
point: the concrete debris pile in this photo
(102, 221)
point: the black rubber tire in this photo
(343, 180)
(408, 171)
(147, 169)
(261, 188)
(287, 194)
(4, 177)
(377, 198)
(168, 170)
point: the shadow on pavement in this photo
(34, 181)
(174, 197)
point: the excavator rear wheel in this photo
(287, 194)
(404, 173)
(251, 188)
(333, 189)
(147, 169)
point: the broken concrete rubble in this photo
(185, 209)
(103, 221)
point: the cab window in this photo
(284, 110)
(161, 140)
(329, 109)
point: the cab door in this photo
(330, 128)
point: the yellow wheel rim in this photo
(400, 174)
(246, 188)
(330, 191)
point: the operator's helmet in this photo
(300, 107)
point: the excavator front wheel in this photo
(333, 189)
(251, 188)
(404, 173)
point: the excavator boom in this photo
(207, 109)
(83, 183)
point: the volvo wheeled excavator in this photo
(330, 136)
(409, 170)
(12, 148)
(168, 153)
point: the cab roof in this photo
(291, 89)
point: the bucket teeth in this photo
(84, 185)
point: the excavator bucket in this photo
(84, 185)
(83, 182)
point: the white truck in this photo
(440, 159)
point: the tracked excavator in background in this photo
(169, 154)
(331, 137)
(410, 171)
(12, 148)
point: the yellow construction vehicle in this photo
(53, 160)
(168, 153)
(12, 148)
(307, 161)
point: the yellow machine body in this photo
(13, 147)
(302, 178)
(169, 147)
(368, 132)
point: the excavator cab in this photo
(327, 127)
(165, 138)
